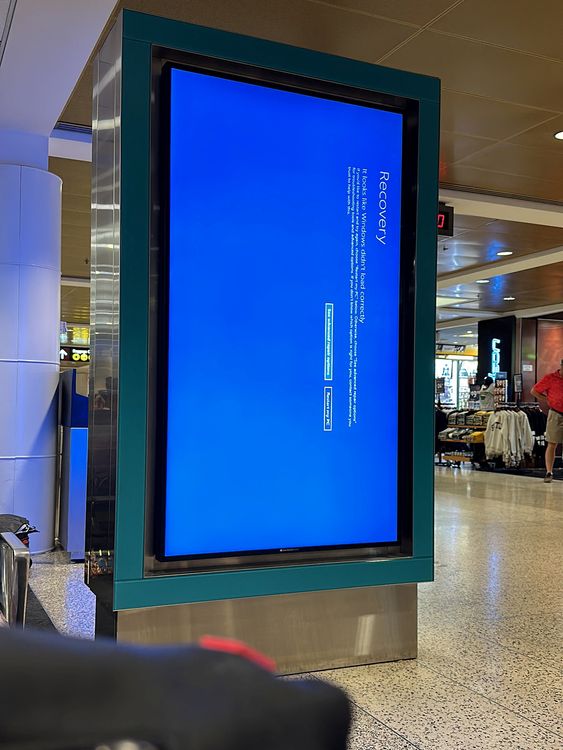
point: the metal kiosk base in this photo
(301, 632)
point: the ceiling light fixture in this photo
(482, 281)
(559, 135)
(469, 331)
(509, 299)
(505, 252)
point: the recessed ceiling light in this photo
(469, 331)
(505, 252)
(482, 281)
(509, 299)
(559, 135)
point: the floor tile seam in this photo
(494, 702)
(550, 665)
(527, 654)
(374, 718)
(492, 641)
(377, 720)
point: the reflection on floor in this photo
(489, 672)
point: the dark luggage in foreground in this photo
(18, 525)
(174, 698)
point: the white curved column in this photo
(30, 259)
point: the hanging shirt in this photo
(551, 386)
(495, 436)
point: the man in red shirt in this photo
(549, 392)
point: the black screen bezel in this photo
(402, 545)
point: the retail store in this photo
(492, 421)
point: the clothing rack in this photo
(518, 405)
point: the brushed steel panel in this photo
(104, 311)
(15, 561)
(302, 632)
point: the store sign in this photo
(74, 354)
(450, 348)
(445, 220)
(495, 357)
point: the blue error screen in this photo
(283, 320)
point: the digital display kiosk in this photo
(263, 302)
(286, 289)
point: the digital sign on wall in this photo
(284, 289)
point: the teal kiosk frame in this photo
(179, 606)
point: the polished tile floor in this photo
(490, 669)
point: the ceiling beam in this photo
(505, 208)
(460, 323)
(529, 312)
(538, 312)
(67, 143)
(83, 281)
(501, 268)
(48, 45)
(460, 310)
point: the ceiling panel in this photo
(502, 102)
(509, 23)
(487, 180)
(491, 91)
(410, 11)
(484, 70)
(4, 8)
(542, 136)
(527, 236)
(532, 288)
(75, 176)
(487, 118)
(75, 304)
(462, 222)
(522, 161)
(454, 146)
(463, 335)
(75, 258)
(76, 218)
(319, 26)
(484, 238)
(444, 316)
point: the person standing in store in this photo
(487, 394)
(549, 392)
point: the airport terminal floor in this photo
(488, 674)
